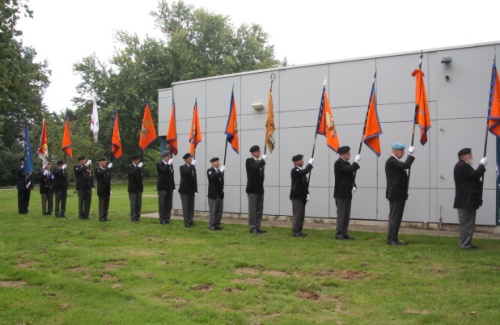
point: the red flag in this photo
(195, 133)
(43, 150)
(422, 117)
(326, 125)
(116, 141)
(172, 132)
(148, 132)
(494, 105)
(66, 143)
(232, 126)
(372, 128)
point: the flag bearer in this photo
(255, 189)
(215, 195)
(165, 186)
(188, 189)
(46, 191)
(299, 193)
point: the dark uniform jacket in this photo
(60, 180)
(45, 182)
(255, 176)
(397, 178)
(103, 176)
(344, 178)
(468, 187)
(189, 182)
(83, 179)
(134, 179)
(22, 181)
(215, 184)
(300, 186)
(165, 177)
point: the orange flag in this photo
(116, 141)
(148, 132)
(326, 125)
(195, 133)
(43, 150)
(66, 143)
(372, 128)
(494, 105)
(270, 126)
(422, 117)
(232, 126)
(172, 132)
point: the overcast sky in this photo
(63, 32)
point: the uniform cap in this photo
(297, 158)
(254, 148)
(344, 149)
(398, 146)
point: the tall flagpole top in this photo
(273, 76)
(375, 75)
(324, 83)
(421, 54)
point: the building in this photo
(457, 81)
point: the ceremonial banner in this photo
(270, 126)
(326, 125)
(94, 122)
(43, 150)
(66, 143)
(28, 157)
(195, 132)
(232, 126)
(494, 104)
(422, 117)
(148, 132)
(172, 133)
(116, 141)
(372, 128)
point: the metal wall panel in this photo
(255, 89)
(350, 83)
(185, 95)
(303, 87)
(485, 214)
(416, 208)
(363, 205)
(232, 199)
(257, 122)
(219, 96)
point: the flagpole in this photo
(267, 123)
(196, 132)
(316, 134)
(65, 155)
(225, 151)
(493, 75)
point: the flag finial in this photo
(324, 83)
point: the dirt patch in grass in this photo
(326, 272)
(28, 264)
(165, 296)
(78, 269)
(13, 284)
(117, 286)
(124, 233)
(64, 306)
(202, 287)
(108, 277)
(437, 269)
(232, 290)
(411, 311)
(276, 273)
(43, 251)
(114, 265)
(66, 243)
(351, 274)
(162, 262)
(252, 281)
(247, 270)
(309, 295)
(148, 275)
(51, 295)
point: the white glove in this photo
(173, 192)
(264, 157)
(64, 166)
(222, 169)
(110, 165)
(411, 150)
(358, 158)
(308, 197)
(196, 194)
(110, 193)
(311, 161)
(170, 161)
(140, 165)
(92, 189)
(88, 162)
(45, 172)
(354, 189)
(484, 161)
(193, 162)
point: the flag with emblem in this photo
(232, 126)
(422, 118)
(43, 150)
(148, 132)
(494, 103)
(94, 122)
(66, 143)
(116, 141)
(270, 126)
(326, 125)
(372, 129)
(28, 154)
(195, 132)
(172, 132)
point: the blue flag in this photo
(28, 157)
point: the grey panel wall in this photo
(458, 110)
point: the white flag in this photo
(94, 122)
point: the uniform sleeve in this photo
(162, 168)
(347, 169)
(213, 175)
(469, 172)
(395, 164)
(254, 165)
(304, 171)
(186, 170)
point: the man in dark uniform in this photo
(103, 175)
(46, 191)
(84, 186)
(135, 188)
(344, 189)
(397, 189)
(255, 189)
(299, 193)
(468, 195)
(165, 186)
(188, 189)
(24, 187)
(60, 188)
(215, 194)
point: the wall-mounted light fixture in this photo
(446, 60)
(258, 106)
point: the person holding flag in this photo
(299, 193)
(255, 189)
(84, 186)
(188, 189)
(103, 175)
(135, 187)
(165, 186)
(46, 192)
(215, 175)
(25, 182)
(60, 188)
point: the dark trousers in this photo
(299, 213)
(215, 206)
(467, 219)
(103, 207)
(165, 204)
(255, 210)
(23, 200)
(343, 216)
(187, 201)
(397, 208)
(61, 201)
(84, 201)
(47, 202)
(135, 205)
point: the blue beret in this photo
(398, 146)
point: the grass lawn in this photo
(71, 271)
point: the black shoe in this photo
(63, 216)
(349, 237)
(474, 246)
(44, 213)
(305, 235)
(167, 221)
(213, 229)
(57, 216)
(219, 228)
(298, 235)
(261, 231)
(106, 219)
(134, 220)
(469, 248)
(102, 220)
(402, 242)
(255, 232)
(81, 218)
(163, 222)
(187, 225)
(87, 218)
(192, 224)
(340, 238)
(394, 243)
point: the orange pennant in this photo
(116, 141)
(372, 125)
(195, 133)
(66, 143)
(148, 132)
(326, 125)
(422, 117)
(494, 109)
(232, 126)
(172, 132)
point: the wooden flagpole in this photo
(316, 133)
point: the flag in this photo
(494, 104)
(66, 143)
(28, 157)
(422, 117)
(372, 128)
(172, 132)
(148, 132)
(232, 126)
(270, 127)
(94, 122)
(43, 150)
(116, 141)
(326, 125)
(195, 132)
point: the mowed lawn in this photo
(71, 271)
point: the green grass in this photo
(358, 282)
